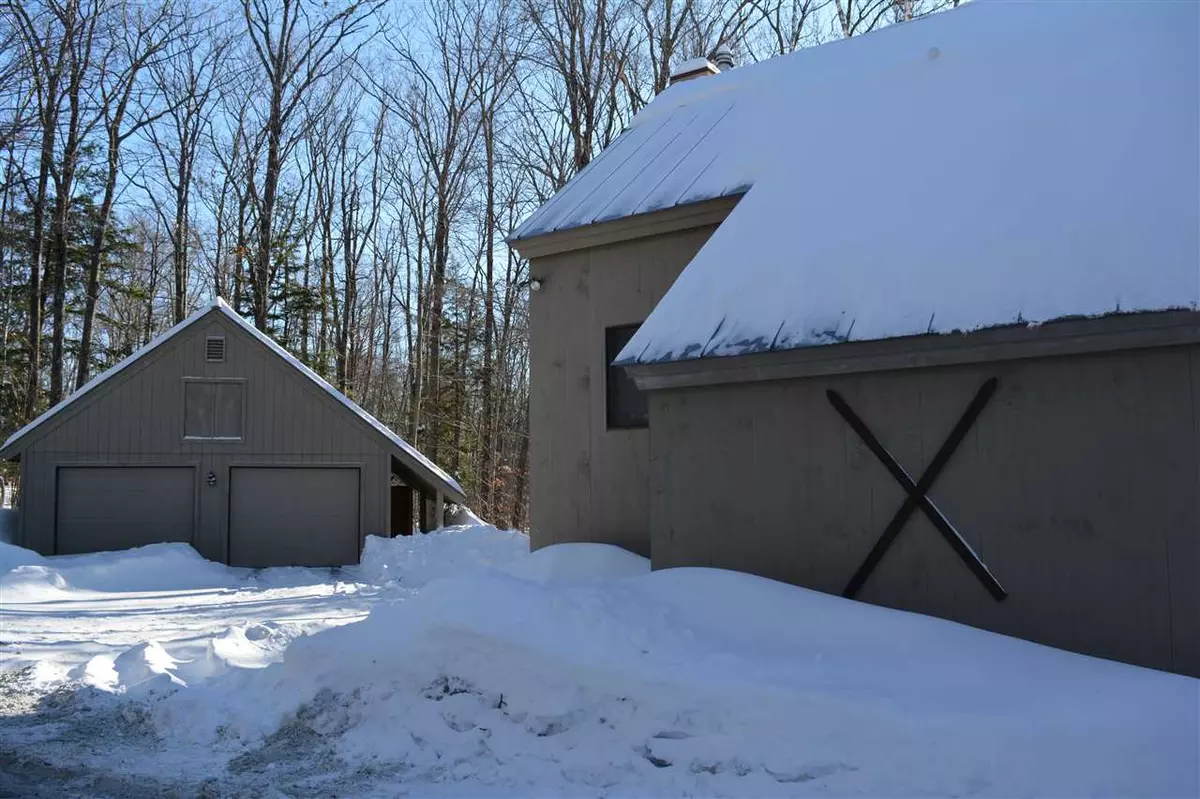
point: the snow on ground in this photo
(457, 664)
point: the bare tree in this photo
(187, 83)
(438, 111)
(788, 25)
(296, 44)
(674, 30)
(137, 39)
(856, 17)
(17, 117)
(501, 46)
(582, 44)
(47, 44)
(79, 21)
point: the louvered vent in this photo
(214, 349)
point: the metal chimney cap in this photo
(723, 57)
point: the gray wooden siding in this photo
(137, 418)
(588, 483)
(1077, 487)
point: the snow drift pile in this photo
(480, 669)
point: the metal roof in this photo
(1001, 163)
(676, 152)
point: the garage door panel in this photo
(293, 516)
(118, 507)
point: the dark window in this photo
(625, 405)
(212, 409)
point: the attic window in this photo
(214, 349)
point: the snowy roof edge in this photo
(701, 357)
(104, 376)
(227, 310)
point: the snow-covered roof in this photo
(1001, 163)
(447, 483)
(680, 149)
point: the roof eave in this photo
(450, 492)
(700, 213)
(14, 442)
(1074, 336)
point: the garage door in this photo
(293, 516)
(116, 507)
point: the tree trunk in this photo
(64, 187)
(37, 248)
(485, 485)
(179, 241)
(95, 255)
(433, 360)
(260, 278)
(416, 348)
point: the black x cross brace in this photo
(918, 492)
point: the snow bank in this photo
(698, 681)
(581, 563)
(574, 671)
(414, 560)
(31, 578)
(12, 557)
(23, 578)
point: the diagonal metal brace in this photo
(917, 492)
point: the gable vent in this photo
(214, 349)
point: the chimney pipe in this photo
(723, 58)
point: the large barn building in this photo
(215, 436)
(910, 317)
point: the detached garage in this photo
(213, 435)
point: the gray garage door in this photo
(293, 516)
(116, 507)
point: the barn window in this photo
(214, 349)
(625, 405)
(213, 409)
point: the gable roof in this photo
(413, 458)
(1001, 163)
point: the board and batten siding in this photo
(1079, 487)
(137, 418)
(588, 483)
